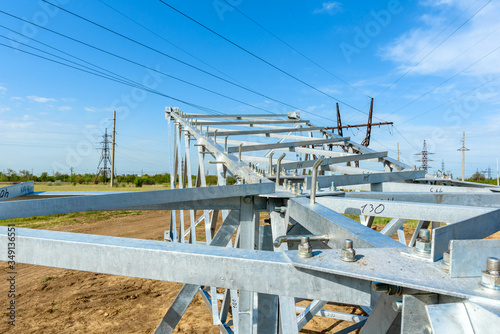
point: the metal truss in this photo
(251, 275)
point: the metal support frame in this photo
(261, 282)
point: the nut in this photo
(348, 254)
(423, 244)
(305, 248)
(490, 277)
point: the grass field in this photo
(83, 217)
(97, 187)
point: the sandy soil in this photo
(54, 300)
(51, 300)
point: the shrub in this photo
(138, 182)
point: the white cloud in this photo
(16, 98)
(96, 109)
(3, 109)
(425, 50)
(64, 108)
(3, 89)
(330, 7)
(41, 99)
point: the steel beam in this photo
(223, 267)
(477, 227)
(224, 132)
(262, 147)
(485, 200)
(407, 210)
(337, 160)
(16, 190)
(321, 220)
(366, 179)
(40, 207)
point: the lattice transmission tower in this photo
(425, 157)
(105, 160)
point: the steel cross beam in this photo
(336, 160)
(285, 144)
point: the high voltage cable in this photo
(441, 43)
(144, 66)
(416, 54)
(469, 48)
(294, 49)
(450, 101)
(53, 48)
(112, 79)
(166, 55)
(115, 76)
(442, 83)
(260, 58)
(166, 40)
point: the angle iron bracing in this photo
(389, 278)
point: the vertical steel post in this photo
(314, 180)
(270, 170)
(113, 151)
(278, 168)
(247, 241)
(187, 141)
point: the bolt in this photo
(427, 329)
(348, 254)
(493, 265)
(247, 199)
(332, 187)
(397, 306)
(305, 248)
(423, 244)
(387, 288)
(280, 209)
(381, 287)
(490, 277)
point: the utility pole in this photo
(71, 174)
(113, 150)
(398, 151)
(463, 149)
(498, 178)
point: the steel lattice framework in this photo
(308, 249)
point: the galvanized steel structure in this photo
(252, 275)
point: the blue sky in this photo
(432, 67)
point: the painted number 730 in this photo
(369, 208)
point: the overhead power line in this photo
(119, 81)
(162, 53)
(445, 81)
(437, 46)
(166, 40)
(260, 58)
(295, 49)
(452, 100)
(152, 49)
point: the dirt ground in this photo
(51, 300)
